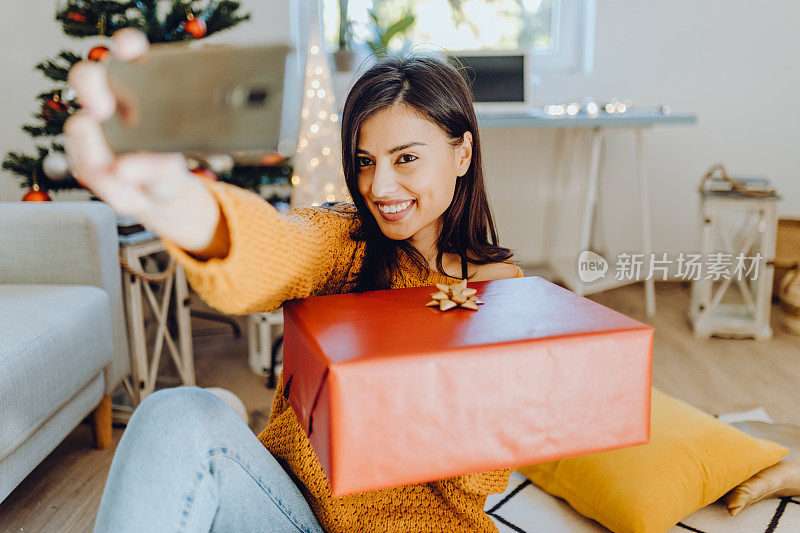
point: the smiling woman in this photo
(412, 164)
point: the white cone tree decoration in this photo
(318, 175)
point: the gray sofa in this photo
(63, 343)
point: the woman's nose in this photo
(384, 181)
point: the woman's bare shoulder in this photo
(503, 270)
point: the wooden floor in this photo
(716, 375)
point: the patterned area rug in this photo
(524, 508)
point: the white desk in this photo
(566, 266)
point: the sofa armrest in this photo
(67, 243)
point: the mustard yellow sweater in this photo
(308, 252)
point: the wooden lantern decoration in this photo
(739, 221)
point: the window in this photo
(560, 32)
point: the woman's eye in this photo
(408, 155)
(363, 161)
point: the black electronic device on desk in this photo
(501, 80)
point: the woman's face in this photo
(406, 164)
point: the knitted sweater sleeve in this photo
(272, 257)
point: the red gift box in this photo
(392, 392)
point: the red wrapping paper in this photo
(392, 392)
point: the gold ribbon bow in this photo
(455, 295)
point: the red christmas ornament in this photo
(271, 159)
(204, 173)
(76, 17)
(36, 195)
(53, 105)
(98, 53)
(195, 26)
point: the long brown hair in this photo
(438, 91)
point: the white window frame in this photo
(573, 31)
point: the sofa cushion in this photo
(53, 340)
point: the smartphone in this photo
(200, 100)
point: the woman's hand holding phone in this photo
(155, 188)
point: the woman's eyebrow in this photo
(395, 149)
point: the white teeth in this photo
(395, 208)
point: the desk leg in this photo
(590, 201)
(565, 149)
(649, 282)
(184, 320)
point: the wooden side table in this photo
(136, 283)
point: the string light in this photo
(318, 157)
(592, 109)
(614, 106)
(555, 110)
(572, 109)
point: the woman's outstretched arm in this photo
(259, 258)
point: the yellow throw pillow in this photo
(692, 460)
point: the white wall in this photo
(732, 62)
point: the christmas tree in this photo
(162, 21)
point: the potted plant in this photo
(383, 35)
(344, 56)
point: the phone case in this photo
(199, 100)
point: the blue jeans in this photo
(187, 462)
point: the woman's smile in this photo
(395, 211)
